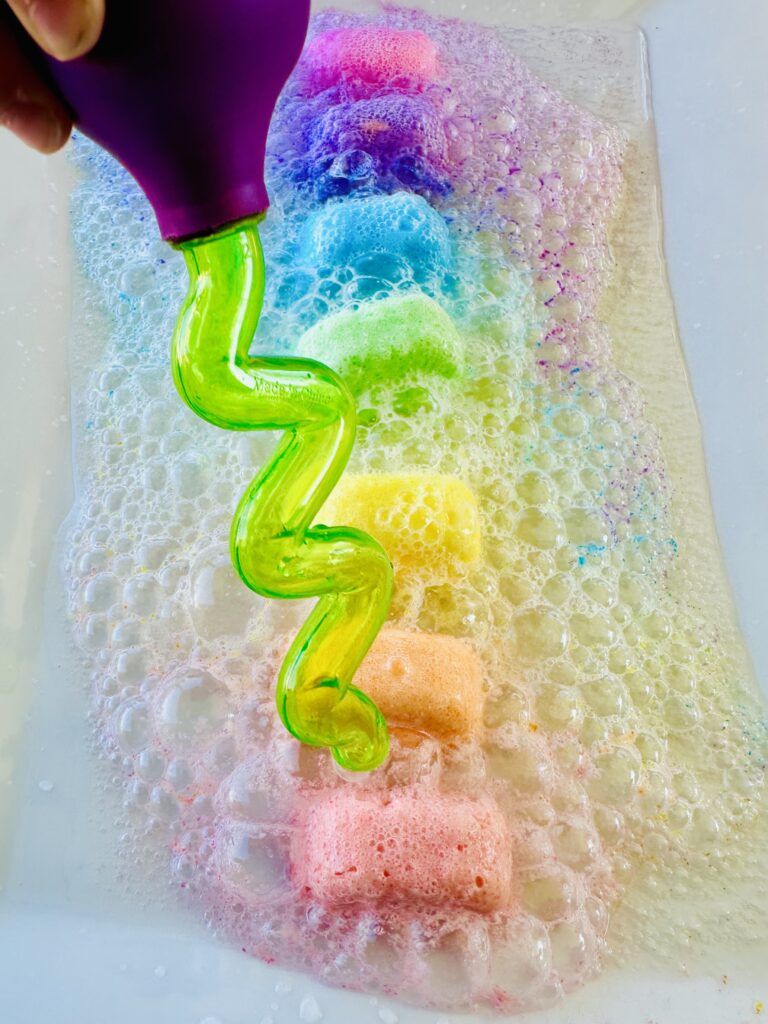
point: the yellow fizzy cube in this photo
(425, 522)
(425, 681)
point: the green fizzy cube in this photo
(386, 339)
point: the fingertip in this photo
(37, 125)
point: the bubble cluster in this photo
(603, 755)
(370, 116)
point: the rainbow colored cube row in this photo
(450, 849)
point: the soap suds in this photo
(623, 744)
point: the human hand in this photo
(63, 28)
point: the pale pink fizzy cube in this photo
(404, 846)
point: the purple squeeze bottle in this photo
(181, 92)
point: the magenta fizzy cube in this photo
(371, 55)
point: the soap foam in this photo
(622, 753)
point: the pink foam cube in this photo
(404, 846)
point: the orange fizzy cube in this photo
(424, 681)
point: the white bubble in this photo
(309, 1010)
(100, 592)
(133, 726)
(142, 594)
(190, 475)
(221, 603)
(255, 859)
(192, 706)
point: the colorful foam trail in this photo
(275, 549)
(577, 758)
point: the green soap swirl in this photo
(275, 548)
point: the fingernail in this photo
(36, 125)
(66, 30)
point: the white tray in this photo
(72, 947)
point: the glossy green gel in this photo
(275, 548)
